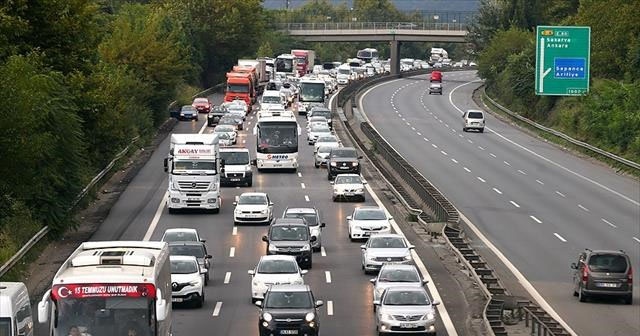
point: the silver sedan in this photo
(406, 310)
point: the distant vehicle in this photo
(382, 249)
(404, 310)
(198, 250)
(348, 186)
(458, 65)
(312, 218)
(271, 98)
(316, 131)
(321, 156)
(343, 160)
(603, 273)
(312, 90)
(15, 310)
(237, 166)
(396, 275)
(305, 60)
(366, 221)
(216, 113)
(233, 120)
(473, 119)
(435, 88)
(187, 282)
(294, 303)
(287, 64)
(326, 140)
(290, 236)
(188, 112)
(181, 235)
(321, 111)
(367, 54)
(274, 270)
(226, 133)
(253, 207)
(343, 75)
(472, 64)
(436, 76)
(203, 105)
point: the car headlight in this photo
(256, 283)
(408, 257)
(247, 168)
(333, 164)
(273, 248)
(267, 317)
(310, 317)
(385, 228)
(354, 164)
(429, 316)
(237, 211)
(386, 317)
(264, 211)
(298, 281)
(360, 190)
(195, 283)
(306, 248)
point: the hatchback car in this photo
(181, 234)
(603, 273)
(396, 275)
(316, 131)
(321, 156)
(198, 250)
(188, 112)
(321, 112)
(326, 140)
(311, 216)
(473, 119)
(216, 113)
(187, 282)
(368, 220)
(226, 133)
(274, 270)
(405, 310)
(383, 249)
(253, 207)
(289, 310)
(203, 105)
(290, 236)
(343, 160)
(348, 186)
(435, 88)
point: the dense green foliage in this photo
(609, 116)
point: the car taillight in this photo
(630, 276)
(585, 273)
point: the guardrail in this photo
(561, 135)
(382, 26)
(43, 232)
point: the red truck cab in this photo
(240, 86)
(436, 76)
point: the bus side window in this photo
(24, 320)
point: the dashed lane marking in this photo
(560, 237)
(327, 276)
(514, 204)
(218, 307)
(306, 198)
(227, 278)
(454, 160)
(323, 252)
(497, 191)
(521, 172)
(609, 223)
(583, 208)
(636, 239)
(444, 153)
(232, 252)
(536, 219)
(330, 308)
(561, 194)
(481, 179)
(467, 169)
(299, 174)
(234, 232)
(540, 182)
(493, 155)
(302, 185)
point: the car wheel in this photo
(317, 249)
(249, 184)
(333, 198)
(206, 279)
(200, 301)
(316, 165)
(464, 129)
(172, 211)
(363, 198)
(482, 130)
(582, 297)
(628, 299)
(329, 177)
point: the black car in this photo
(291, 236)
(289, 310)
(233, 120)
(215, 114)
(603, 273)
(196, 249)
(322, 112)
(344, 160)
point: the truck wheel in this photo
(249, 184)
(172, 211)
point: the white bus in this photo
(367, 54)
(287, 64)
(106, 288)
(277, 141)
(312, 91)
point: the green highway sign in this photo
(562, 60)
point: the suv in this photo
(196, 249)
(187, 280)
(312, 218)
(291, 236)
(289, 310)
(343, 160)
(237, 166)
(473, 119)
(603, 273)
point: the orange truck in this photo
(240, 86)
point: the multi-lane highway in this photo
(336, 276)
(538, 204)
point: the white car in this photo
(383, 249)
(187, 281)
(368, 220)
(181, 235)
(253, 207)
(226, 134)
(347, 186)
(326, 140)
(238, 110)
(316, 131)
(321, 156)
(406, 309)
(237, 104)
(396, 275)
(271, 98)
(473, 119)
(275, 269)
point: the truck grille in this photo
(231, 175)
(193, 185)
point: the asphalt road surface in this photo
(538, 204)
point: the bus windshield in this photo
(312, 92)
(277, 137)
(5, 326)
(284, 65)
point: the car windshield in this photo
(322, 113)
(288, 300)
(271, 99)
(327, 139)
(180, 236)
(324, 149)
(223, 129)
(343, 153)
(406, 298)
(475, 115)
(319, 128)
(398, 275)
(252, 199)
(369, 214)
(5, 326)
(235, 158)
(289, 233)
(387, 242)
(183, 267)
(188, 108)
(187, 250)
(277, 267)
(610, 263)
(309, 217)
(348, 180)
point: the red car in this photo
(436, 76)
(202, 105)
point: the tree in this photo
(265, 50)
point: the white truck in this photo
(193, 166)
(15, 310)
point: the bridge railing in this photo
(376, 26)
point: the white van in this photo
(473, 119)
(15, 310)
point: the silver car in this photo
(406, 310)
(316, 131)
(383, 249)
(396, 275)
(312, 218)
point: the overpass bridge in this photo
(393, 32)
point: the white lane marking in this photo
(444, 153)
(454, 160)
(561, 194)
(481, 179)
(227, 278)
(399, 115)
(323, 252)
(536, 219)
(609, 223)
(600, 185)
(434, 145)
(216, 310)
(521, 172)
(413, 128)
(467, 169)
(302, 185)
(234, 232)
(446, 125)
(540, 182)
(425, 139)
(583, 208)
(497, 190)
(306, 198)
(327, 276)
(299, 174)
(514, 204)
(480, 148)
(636, 239)
(419, 134)
(493, 155)
(507, 163)
(330, 308)
(440, 120)
(404, 119)
(408, 124)
(560, 237)
(232, 252)
(469, 141)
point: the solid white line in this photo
(481, 179)
(514, 204)
(156, 217)
(540, 182)
(608, 222)
(467, 169)
(330, 308)
(302, 185)
(306, 198)
(216, 310)
(492, 155)
(583, 208)
(507, 163)
(561, 194)
(227, 278)
(232, 252)
(536, 219)
(560, 237)
(444, 153)
(327, 276)
(636, 239)
(521, 172)
(498, 191)
(454, 160)
(299, 174)
(234, 232)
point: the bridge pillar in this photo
(394, 47)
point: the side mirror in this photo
(208, 256)
(254, 162)
(313, 238)
(303, 272)
(251, 272)
(411, 247)
(43, 307)
(236, 199)
(258, 303)
(319, 303)
(203, 240)
(363, 247)
(161, 306)
(166, 164)
(270, 203)
(235, 203)
(373, 281)
(435, 303)
(332, 182)
(203, 271)
(323, 225)
(376, 302)
(265, 239)
(364, 182)
(349, 217)
(574, 266)
(390, 218)
(425, 281)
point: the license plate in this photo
(277, 165)
(407, 325)
(344, 167)
(193, 199)
(176, 299)
(235, 179)
(288, 332)
(607, 284)
(349, 194)
(366, 233)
